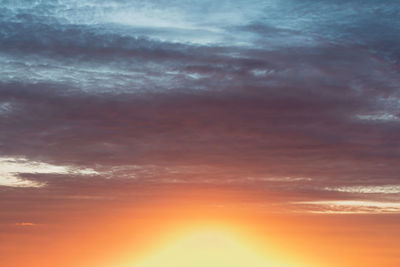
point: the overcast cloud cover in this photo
(294, 97)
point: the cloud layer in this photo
(297, 98)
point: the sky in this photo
(121, 120)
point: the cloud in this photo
(269, 96)
(365, 189)
(381, 117)
(25, 224)
(352, 207)
(10, 168)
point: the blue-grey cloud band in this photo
(290, 96)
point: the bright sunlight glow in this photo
(210, 249)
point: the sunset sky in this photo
(179, 133)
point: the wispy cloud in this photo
(351, 207)
(25, 224)
(10, 168)
(368, 189)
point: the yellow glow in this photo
(211, 248)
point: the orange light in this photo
(212, 247)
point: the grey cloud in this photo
(268, 89)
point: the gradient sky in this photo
(282, 108)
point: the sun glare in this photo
(210, 248)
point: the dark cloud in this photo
(288, 97)
(257, 126)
